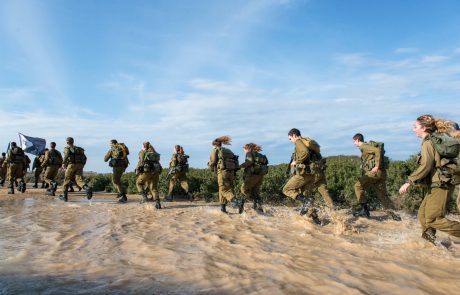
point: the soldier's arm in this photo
(212, 164)
(173, 162)
(249, 161)
(301, 152)
(45, 159)
(65, 160)
(426, 162)
(108, 155)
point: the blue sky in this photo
(185, 72)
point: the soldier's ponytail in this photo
(222, 140)
(443, 126)
(252, 147)
(434, 125)
(179, 149)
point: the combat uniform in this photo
(148, 176)
(16, 161)
(225, 177)
(3, 170)
(433, 209)
(51, 163)
(74, 161)
(179, 168)
(253, 177)
(38, 168)
(119, 166)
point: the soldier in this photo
(118, 156)
(148, 174)
(255, 167)
(307, 165)
(225, 163)
(432, 211)
(16, 161)
(38, 168)
(73, 163)
(51, 164)
(455, 133)
(178, 168)
(373, 174)
(3, 169)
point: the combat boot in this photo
(46, 185)
(64, 196)
(35, 185)
(11, 190)
(430, 235)
(119, 195)
(222, 208)
(22, 187)
(71, 189)
(157, 203)
(305, 204)
(190, 197)
(123, 198)
(88, 191)
(258, 205)
(394, 216)
(2, 181)
(241, 206)
(144, 197)
(43, 184)
(362, 211)
(314, 217)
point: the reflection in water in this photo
(47, 246)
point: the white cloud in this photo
(434, 58)
(406, 50)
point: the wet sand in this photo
(100, 247)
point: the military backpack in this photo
(77, 156)
(55, 158)
(449, 151)
(17, 155)
(260, 164)
(227, 160)
(182, 163)
(120, 151)
(315, 163)
(151, 161)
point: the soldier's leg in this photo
(458, 199)
(79, 180)
(154, 180)
(171, 185)
(49, 176)
(361, 185)
(184, 183)
(256, 193)
(116, 179)
(11, 178)
(220, 182)
(436, 209)
(322, 188)
(292, 188)
(228, 178)
(37, 177)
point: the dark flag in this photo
(32, 145)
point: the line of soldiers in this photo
(306, 173)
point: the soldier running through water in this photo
(148, 174)
(118, 156)
(255, 167)
(178, 168)
(51, 164)
(16, 162)
(73, 163)
(225, 164)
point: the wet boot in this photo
(11, 190)
(314, 217)
(362, 211)
(71, 189)
(89, 192)
(35, 185)
(430, 235)
(144, 197)
(2, 182)
(22, 186)
(190, 197)
(241, 206)
(222, 208)
(305, 204)
(258, 205)
(46, 185)
(43, 184)
(157, 204)
(123, 198)
(64, 196)
(119, 196)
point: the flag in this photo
(31, 145)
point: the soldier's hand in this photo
(375, 169)
(403, 189)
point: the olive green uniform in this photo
(118, 167)
(16, 162)
(147, 178)
(433, 209)
(179, 174)
(299, 182)
(51, 163)
(251, 181)
(458, 196)
(38, 167)
(3, 170)
(225, 178)
(371, 157)
(74, 167)
(321, 185)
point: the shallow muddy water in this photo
(99, 247)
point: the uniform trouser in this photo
(3, 171)
(251, 185)
(378, 181)
(458, 199)
(74, 172)
(37, 173)
(148, 180)
(50, 174)
(321, 185)
(178, 177)
(116, 178)
(297, 184)
(15, 171)
(433, 209)
(226, 181)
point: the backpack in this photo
(260, 166)
(55, 157)
(369, 163)
(227, 159)
(152, 161)
(449, 151)
(182, 163)
(311, 144)
(17, 155)
(120, 151)
(78, 156)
